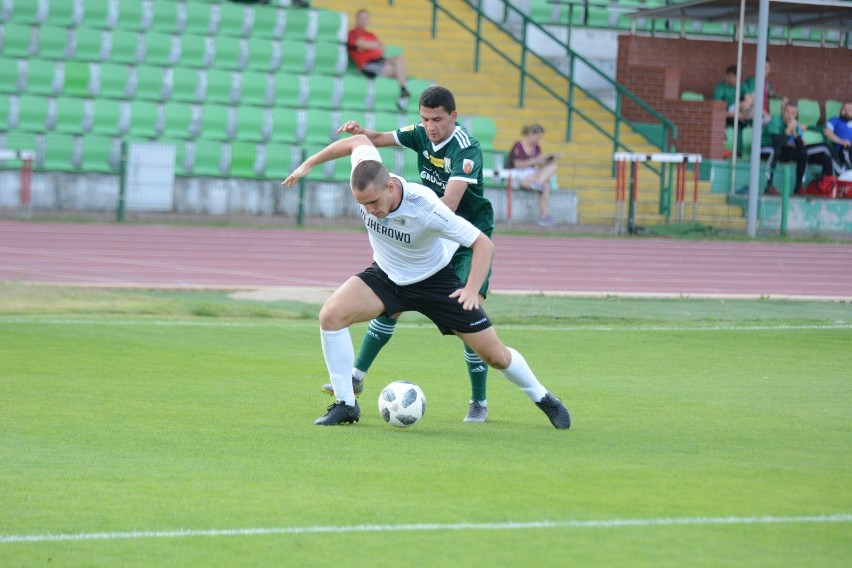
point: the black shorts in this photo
(373, 67)
(431, 297)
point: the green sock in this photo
(478, 372)
(378, 334)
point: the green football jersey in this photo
(459, 157)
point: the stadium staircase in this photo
(585, 162)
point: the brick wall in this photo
(659, 69)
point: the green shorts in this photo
(461, 265)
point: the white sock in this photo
(339, 358)
(358, 373)
(520, 374)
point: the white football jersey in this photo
(420, 237)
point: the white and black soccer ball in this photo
(402, 404)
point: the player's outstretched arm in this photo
(379, 139)
(483, 254)
(337, 149)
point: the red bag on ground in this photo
(826, 186)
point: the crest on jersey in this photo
(401, 221)
(467, 166)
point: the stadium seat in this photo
(230, 53)
(98, 14)
(357, 93)
(122, 46)
(223, 87)
(832, 109)
(320, 126)
(331, 26)
(386, 93)
(237, 20)
(166, 17)
(253, 123)
(269, 56)
(301, 25)
(269, 24)
(30, 12)
(691, 96)
(148, 82)
(809, 112)
(33, 113)
(161, 49)
(196, 51)
(482, 128)
(295, 56)
(246, 160)
(286, 126)
(13, 75)
(188, 85)
(291, 89)
(62, 152)
(54, 43)
(329, 58)
(324, 91)
(110, 118)
(208, 158)
(144, 120)
(131, 16)
(181, 121)
(44, 77)
(201, 19)
(21, 141)
(113, 80)
(281, 159)
(775, 106)
(100, 154)
(73, 116)
(89, 45)
(257, 88)
(218, 122)
(384, 121)
(18, 40)
(78, 81)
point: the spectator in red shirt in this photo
(368, 54)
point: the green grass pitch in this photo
(158, 428)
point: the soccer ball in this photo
(402, 404)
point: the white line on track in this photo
(594, 524)
(424, 325)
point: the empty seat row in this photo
(148, 82)
(146, 119)
(185, 50)
(172, 17)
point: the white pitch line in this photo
(604, 523)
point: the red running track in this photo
(237, 258)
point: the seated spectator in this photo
(745, 117)
(726, 91)
(839, 131)
(784, 134)
(533, 170)
(368, 54)
(749, 87)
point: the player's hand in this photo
(469, 300)
(351, 127)
(298, 173)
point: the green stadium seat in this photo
(691, 96)
(775, 106)
(324, 91)
(196, 51)
(166, 17)
(281, 159)
(246, 160)
(331, 26)
(200, 19)
(223, 87)
(291, 89)
(72, 116)
(188, 85)
(357, 93)
(230, 53)
(237, 20)
(809, 112)
(33, 113)
(54, 43)
(144, 120)
(183, 159)
(268, 56)
(18, 40)
(384, 121)
(114, 80)
(44, 77)
(813, 136)
(122, 46)
(329, 58)
(269, 24)
(100, 154)
(161, 49)
(89, 45)
(98, 14)
(208, 158)
(832, 109)
(218, 122)
(301, 25)
(131, 16)
(294, 56)
(21, 141)
(62, 152)
(286, 126)
(78, 79)
(31, 12)
(257, 88)
(253, 124)
(110, 118)
(148, 82)
(386, 93)
(482, 128)
(13, 75)
(320, 126)
(181, 121)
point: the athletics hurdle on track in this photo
(25, 193)
(678, 160)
